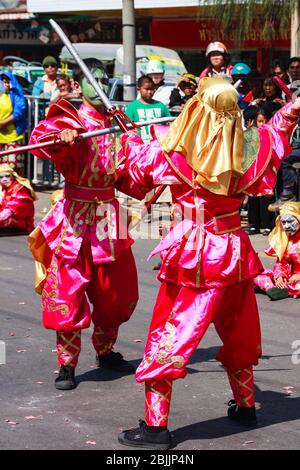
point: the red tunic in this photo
(17, 201)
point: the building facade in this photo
(24, 30)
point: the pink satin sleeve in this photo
(282, 269)
(21, 204)
(48, 130)
(127, 185)
(146, 163)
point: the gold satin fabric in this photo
(209, 133)
(42, 255)
(5, 168)
(278, 238)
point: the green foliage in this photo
(272, 17)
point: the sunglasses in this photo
(50, 65)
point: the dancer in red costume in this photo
(284, 280)
(16, 202)
(208, 262)
(82, 246)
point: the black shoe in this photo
(66, 378)
(276, 293)
(115, 361)
(157, 266)
(244, 416)
(252, 231)
(143, 437)
(275, 206)
(258, 290)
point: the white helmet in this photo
(216, 46)
(155, 66)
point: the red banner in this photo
(189, 34)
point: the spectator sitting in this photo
(185, 89)
(16, 202)
(13, 119)
(284, 279)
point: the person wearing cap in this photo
(155, 69)
(13, 120)
(46, 85)
(284, 280)
(16, 202)
(218, 61)
(208, 261)
(185, 88)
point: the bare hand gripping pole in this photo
(119, 115)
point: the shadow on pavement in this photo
(103, 375)
(276, 407)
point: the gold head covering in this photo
(5, 168)
(209, 133)
(278, 238)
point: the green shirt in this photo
(138, 111)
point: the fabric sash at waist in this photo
(226, 223)
(91, 195)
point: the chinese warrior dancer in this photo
(16, 202)
(208, 262)
(284, 280)
(82, 246)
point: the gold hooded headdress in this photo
(5, 168)
(209, 133)
(278, 238)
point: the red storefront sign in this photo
(189, 34)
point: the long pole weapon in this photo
(85, 135)
(117, 114)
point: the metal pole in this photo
(129, 58)
(295, 33)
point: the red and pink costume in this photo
(83, 244)
(17, 202)
(288, 268)
(207, 268)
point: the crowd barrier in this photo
(42, 173)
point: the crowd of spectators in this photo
(260, 97)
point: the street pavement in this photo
(34, 415)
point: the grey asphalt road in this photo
(34, 415)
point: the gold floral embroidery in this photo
(52, 283)
(51, 276)
(167, 345)
(52, 307)
(65, 228)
